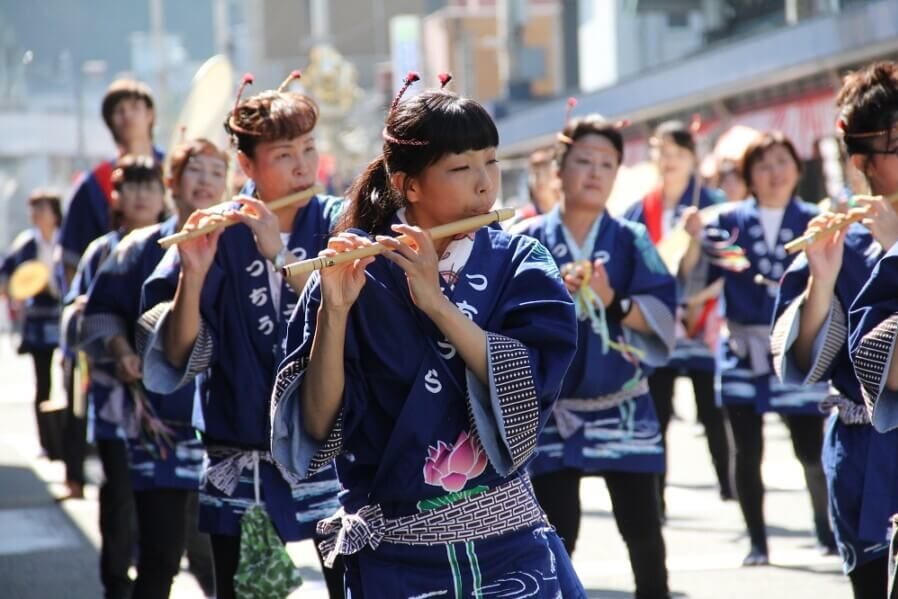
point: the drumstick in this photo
(464, 225)
(801, 243)
(274, 206)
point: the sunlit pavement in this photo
(50, 550)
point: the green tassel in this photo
(590, 307)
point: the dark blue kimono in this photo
(88, 209)
(113, 307)
(40, 329)
(240, 344)
(690, 353)
(872, 323)
(860, 463)
(103, 389)
(605, 419)
(744, 365)
(420, 437)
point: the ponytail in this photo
(372, 200)
(418, 133)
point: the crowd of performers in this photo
(426, 416)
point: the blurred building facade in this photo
(56, 59)
(763, 63)
(768, 64)
(282, 32)
(494, 47)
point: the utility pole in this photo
(510, 18)
(570, 46)
(320, 17)
(157, 33)
(221, 23)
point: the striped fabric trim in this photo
(285, 383)
(660, 319)
(871, 359)
(69, 322)
(835, 336)
(201, 355)
(97, 329)
(146, 326)
(149, 326)
(779, 336)
(509, 361)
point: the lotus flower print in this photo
(452, 466)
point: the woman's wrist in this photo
(331, 314)
(441, 312)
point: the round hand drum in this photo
(29, 279)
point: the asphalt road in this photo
(50, 550)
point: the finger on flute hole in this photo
(341, 245)
(387, 240)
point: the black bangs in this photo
(418, 133)
(136, 169)
(448, 123)
(459, 125)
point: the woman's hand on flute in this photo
(264, 224)
(198, 253)
(341, 284)
(825, 252)
(824, 256)
(421, 266)
(880, 217)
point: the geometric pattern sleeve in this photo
(872, 357)
(307, 457)
(506, 414)
(159, 375)
(97, 329)
(830, 339)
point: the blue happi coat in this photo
(690, 353)
(418, 431)
(605, 419)
(40, 329)
(872, 325)
(238, 348)
(113, 307)
(744, 365)
(860, 463)
(104, 391)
